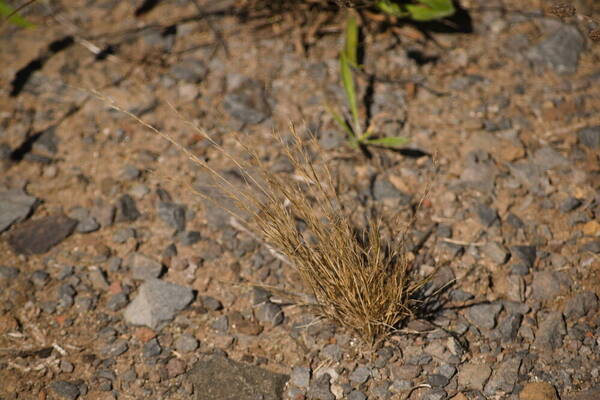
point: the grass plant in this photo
(360, 281)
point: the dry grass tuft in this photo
(359, 280)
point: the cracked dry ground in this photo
(117, 282)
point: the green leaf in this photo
(391, 8)
(8, 12)
(351, 41)
(387, 141)
(349, 89)
(430, 9)
(342, 124)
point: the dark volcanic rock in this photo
(217, 377)
(65, 390)
(126, 209)
(40, 235)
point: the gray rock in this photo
(65, 390)
(546, 285)
(570, 204)
(435, 394)
(114, 263)
(400, 385)
(115, 348)
(220, 324)
(172, 214)
(484, 315)
(247, 102)
(590, 137)
(360, 375)
(86, 303)
(406, 372)
(259, 295)
(186, 343)
(384, 189)
(526, 254)
(551, 331)
(381, 390)
(40, 278)
(332, 352)
(529, 175)
(487, 215)
(15, 206)
(123, 234)
(47, 141)
(509, 327)
(581, 304)
(473, 376)
(157, 301)
(319, 388)
(151, 348)
(496, 252)
(479, 171)
(87, 225)
(504, 377)
(65, 294)
(97, 277)
(383, 356)
(548, 158)
(189, 238)
(217, 377)
(437, 380)
(126, 209)
(40, 235)
(300, 377)
(66, 366)
(356, 395)
(592, 246)
(269, 313)
(117, 301)
(447, 371)
(143, 267)
(559, 51)
(8, 273)
(130, 173)
(211, 304)
(189, 70)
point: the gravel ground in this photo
(118, 282)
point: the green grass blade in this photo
(430, 9)
(350, 91)
(8, 12)
(351, 41)
(387, 141)
(348, 60)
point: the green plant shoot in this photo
(348, 62)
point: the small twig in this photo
(60, 350)
(462, 242)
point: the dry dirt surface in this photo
(118, 281)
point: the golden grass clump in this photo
(359, 280)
